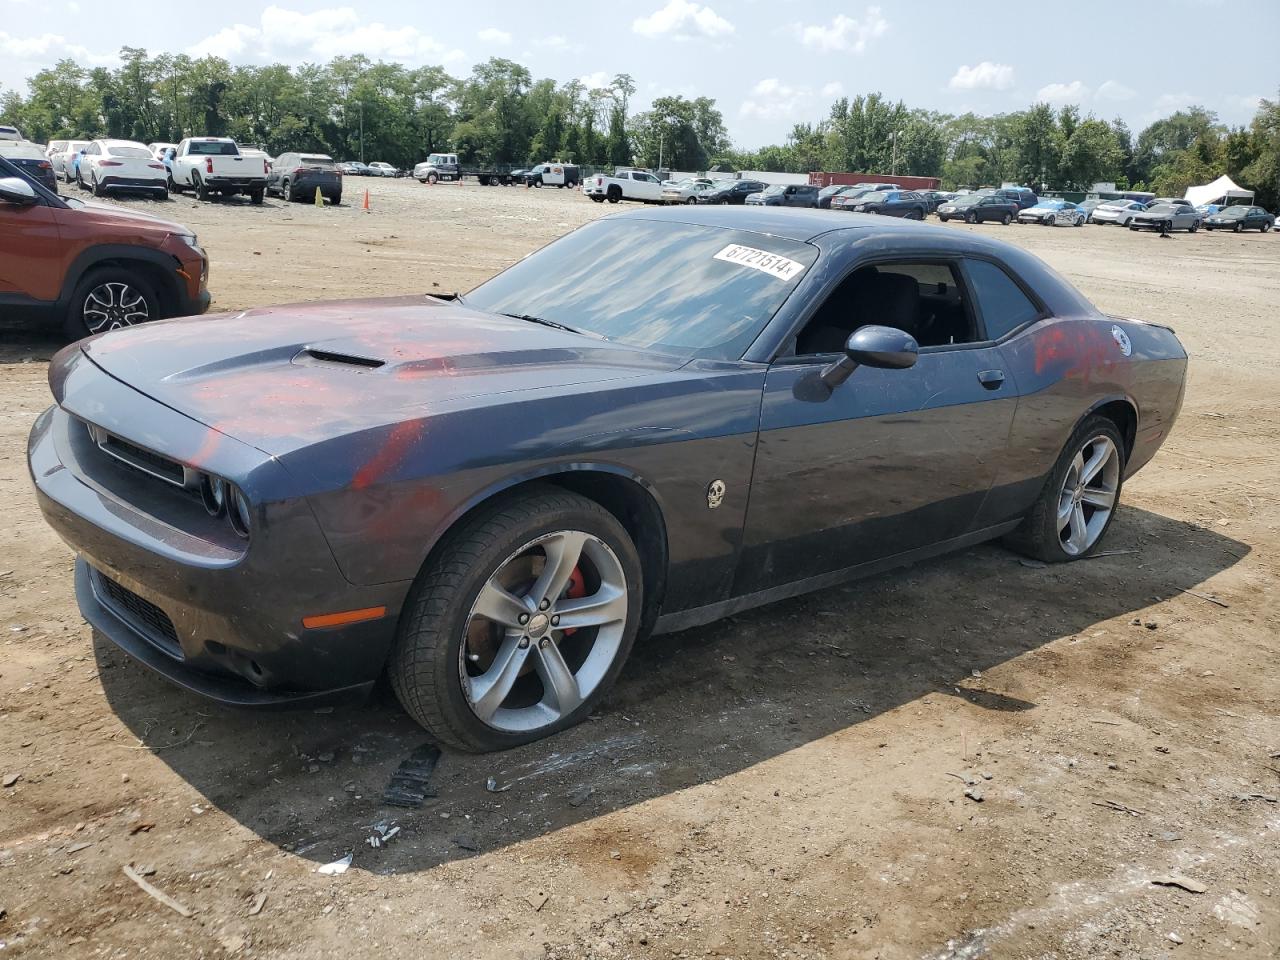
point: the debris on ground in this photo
(974, 794)
(1246, 797)
(258, 903)
(10, 779)
(337, 868)
(580, 795)
(537, 900)
(1120, 807)
(383, 832)
(1178, 880)
(411, 783)
(157, 894)
(492, 786)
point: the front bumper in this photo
(220, 618)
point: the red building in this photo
(821, 179)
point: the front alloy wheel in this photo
(519, 625)
(112, 305)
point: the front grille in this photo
(162, 468)
(143, 615)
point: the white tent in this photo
(1224, 189)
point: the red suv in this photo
(91, 266)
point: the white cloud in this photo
(985, 76)
(292, 36)
(596, 81)
(1114, 90)
(1064, 93)
(843, 33)
(48, 47)
(771, 99)
(833, 89)
(682, 20)
(495, 36)
(555, 42)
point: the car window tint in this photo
(692, 290)
(923, 298)
(1003, 304)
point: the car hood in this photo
(284, 377)
(105, 213)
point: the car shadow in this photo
(690, 708)
(29, 341)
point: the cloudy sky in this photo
(768, 64)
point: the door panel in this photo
(891, 461)
(30, 254)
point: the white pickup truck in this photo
(215, 165)
(624, 185)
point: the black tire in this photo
(169, 184)
(1006, 219)
(970, 218)
(1237, 228)
(598, 199)
(1037, 535)
(256, 197)
(942, 218)
(286, 191)
(432, 178)
(202, 192)
(424, 664)
(95, 188)
(76, 327)
(613, 195)
(691, 200)
(1195, 225)
(162, 194)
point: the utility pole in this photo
(894, 164)
(362, 131)
(659, 149)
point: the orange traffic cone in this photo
(366, 199)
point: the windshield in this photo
(691, 290)
(20, 150)
(775, 191)
(321, 161)
(877, 196)
(125, 151)
(1161, 208)
(1234, 211)
(967, 200)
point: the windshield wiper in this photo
(553, 324)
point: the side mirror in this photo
(873, 346)
(16, 190)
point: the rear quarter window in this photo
(1004, 306)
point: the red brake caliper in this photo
(577, 588)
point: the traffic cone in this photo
(366, 200)
(319, 198)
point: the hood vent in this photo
(328, 356)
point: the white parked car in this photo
(60, 153)
(380, 169)
(685, 191)
(624, 185)
(10, 133)
(121, 165)
(211, 165)
(1119, 212)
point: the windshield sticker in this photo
(775, 265)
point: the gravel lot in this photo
(788, 783)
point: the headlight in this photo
(240, 513)
(190, 240)
(213, 490)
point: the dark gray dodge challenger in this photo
(660, 419)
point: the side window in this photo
(1003, 304)
(923, 298)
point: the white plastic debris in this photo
(383, 832)
(335, 868)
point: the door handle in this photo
(991, 379)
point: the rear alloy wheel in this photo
(95, 188)
(1079, 500)
(1006, 219)
(1236, 228)
(520, 624)
(695, 200)
(970, 218)
(109, 299)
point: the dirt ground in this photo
(788, 783)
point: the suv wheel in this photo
(95, 188)
(110, 298)
(520, 624)
(432, 178)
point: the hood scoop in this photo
(314, 355)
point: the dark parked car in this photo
(1240, 217)
(91, 267)
(828, 194)
(30, 159)
(846, 200)
(1167, 217)
(892, 203)
(785, 195)
(295, 175)
(732, 191)
(1022, 197)
(491, 497)
(936, 198)
(976, 207)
